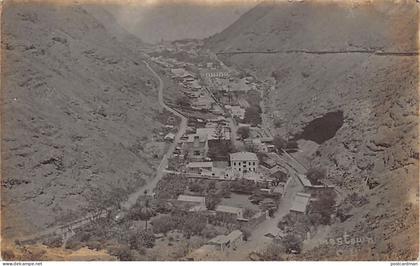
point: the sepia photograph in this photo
(209, 130)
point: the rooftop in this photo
(223, 239)
(192, 198)
(200, 164)
(229, 209)
(243, 156)
(300, 202)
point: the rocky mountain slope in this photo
(357, 60)
(154, 21)
(78, 106)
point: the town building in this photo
(196, 147)
(225, 242)
(199, 167)
(244, 162)
(235, 211)
(215, 133)
(192, 199)
(300, 204)
(236, 111)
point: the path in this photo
(132, 199)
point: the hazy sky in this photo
(153, 21)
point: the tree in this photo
(196, 187)
(142, 238)
(252, 115)
(163, 224)
(183, 102)
(315, 175)
(194, 225)
(273, 252)
(143, 211)
(244, 132)
(324, 206)
(279, 143)
(212, 200)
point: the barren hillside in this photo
(360, 61)
(77, 112)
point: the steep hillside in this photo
(154, 21)
(78, 109)
(357, 61)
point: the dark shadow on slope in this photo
(323, 128)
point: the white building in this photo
(239, 212)
(244, 162)
(237, 111)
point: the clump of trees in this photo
(142, 238)
(281, 144)
(179, 220)
(170, 186)
(324, 207)
(243, 186)
(212, 199)
(142, 211)
(315, 175)
(244, 132)
(253, 115)
(219, 150)
(292, 243)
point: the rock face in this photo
(357, 60)
(75, 103)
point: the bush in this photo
(194, 225)
(252, 115)
(196, 187)
(170, 186)
(94, 245)
(272, 253)
(279, 143)
(212, 200)
(292, 244)
(73, 244)
(163, 224)
(244, 132)
(209, 232)
(123, 253)
(55, 242)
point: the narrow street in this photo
(132, 199)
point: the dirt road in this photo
(164, 162)
(64, 229)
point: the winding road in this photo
(68, 229)
(132, 199)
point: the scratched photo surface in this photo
(209, 130)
